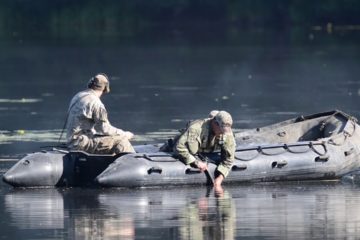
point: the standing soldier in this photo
(208, 135)
(88, 127)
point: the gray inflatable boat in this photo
(322, 146)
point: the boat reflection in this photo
(35, 209)
(280, 211)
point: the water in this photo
(325, 210)
(156, 90)
(160, 88)
(259, 75)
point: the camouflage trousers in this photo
(101, 144)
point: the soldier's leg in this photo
(111, 145)
(82, 143)
(123, 145)
(103, 145)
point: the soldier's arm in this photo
(227, 155)
(102, 124)
(181, 148)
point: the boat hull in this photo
(57, 168)
(301, 161)
(318, 147)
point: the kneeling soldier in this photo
(208, 135)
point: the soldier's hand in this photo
(129, 135)
(219, 191)
(201, 165)
(218, 180)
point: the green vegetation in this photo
(124, 20)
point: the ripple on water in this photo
(21, 100)
(170, 88)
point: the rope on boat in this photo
(286, 147)
(345, 134)
(311, 145)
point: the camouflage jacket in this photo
(87, 115)
(198, 138)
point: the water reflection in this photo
(279, 211)
(208, 217)
(36, 209)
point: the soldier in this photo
(88, 127)
(208, 135)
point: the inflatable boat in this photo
(322, 146)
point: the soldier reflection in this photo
(211, 216)
(108, 228)
(93, 221)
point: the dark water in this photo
(156, 89)
(273, 211)
(162, 87)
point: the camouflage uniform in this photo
(88, 127)
(198, 138)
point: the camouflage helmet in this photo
(99, 82)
